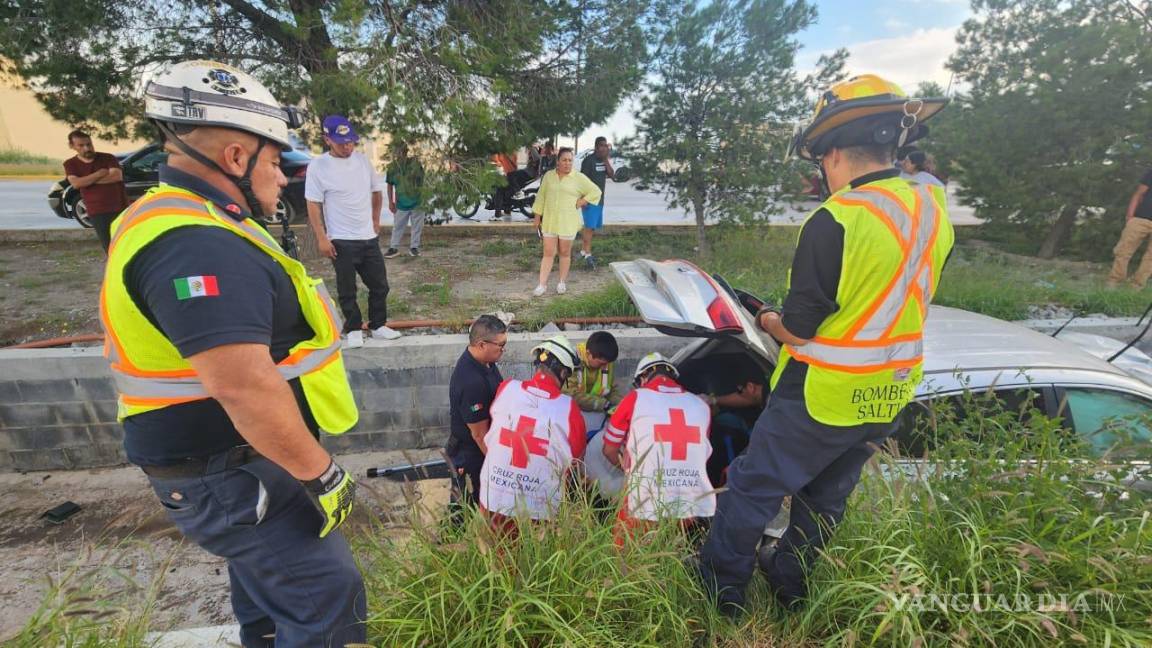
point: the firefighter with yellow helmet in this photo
(226, 357)
(866, 266)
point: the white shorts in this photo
(557, 236)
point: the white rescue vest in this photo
(528, 452)
(668, 449)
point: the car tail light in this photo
(723, 319)
(301, 172)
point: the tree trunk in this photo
(1059, 232)
(701, 236)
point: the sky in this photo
(905, 41)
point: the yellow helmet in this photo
(864, 110)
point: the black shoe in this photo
(415, 252)
(729, 604)
(391, 253)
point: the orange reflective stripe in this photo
(905, 253)
(878, 213)
(855, 369)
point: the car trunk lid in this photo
(678, 298)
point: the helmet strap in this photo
(243, 183)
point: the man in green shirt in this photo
(405, 180)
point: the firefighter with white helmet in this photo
(226, 357)
(867, 264)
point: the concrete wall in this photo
(58, 406)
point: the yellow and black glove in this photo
(332, 493)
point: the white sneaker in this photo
(354, 340)
(540, 290)
(561, 288)
(385, 333)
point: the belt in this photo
(196, 467)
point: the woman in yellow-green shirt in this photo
(563, 193)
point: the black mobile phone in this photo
(58, 514)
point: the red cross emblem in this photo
(523, 442)
(678, 433)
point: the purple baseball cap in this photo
(338, 129)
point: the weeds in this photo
(97, 607)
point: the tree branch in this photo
(264, 22)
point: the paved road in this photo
(23, 205)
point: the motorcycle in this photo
(520, 201)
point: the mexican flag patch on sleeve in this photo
(200, 286)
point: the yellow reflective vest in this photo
(149, 371)
(591, 388)
(866, 359)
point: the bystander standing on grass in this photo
(563, 193)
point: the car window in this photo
(917, 426)
(150, 162)
(1109, 420)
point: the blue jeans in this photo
(789, 453)
(287, 582)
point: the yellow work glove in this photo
(332, 493)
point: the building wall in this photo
(24, 124)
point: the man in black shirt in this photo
(1137, 227)
(210, 330)
(865, 268)
(471, 391)
(598, 168)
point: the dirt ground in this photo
(50, 289)
(121, 527)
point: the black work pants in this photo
(789, 453)
(365, 259)
(102, 225)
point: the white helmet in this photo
(651, 361)
(559, 348)
(207, 93)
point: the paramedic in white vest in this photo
(536, 436)
(659, 436)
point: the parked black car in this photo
(141, 174)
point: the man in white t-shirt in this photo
(345, 196)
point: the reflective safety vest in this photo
(666, 455)
(591, 387)
(866, 359)
(149, 371)
(529, 450)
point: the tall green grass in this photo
(560, 584)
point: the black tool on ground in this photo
(57, 514)
(435, 469)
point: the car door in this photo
(917, 432)
(678, 298)
(142, 170)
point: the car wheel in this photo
(80, 213)
(284, 211)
